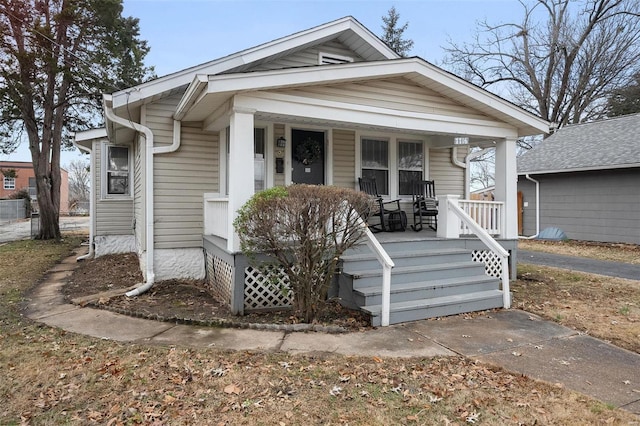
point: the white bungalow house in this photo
(180, 154)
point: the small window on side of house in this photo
(117, 171)
(325, 58)
(9, 183)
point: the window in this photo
(410, 161)
(375, 162)
(117, 170)
(9, 183)
(33, 191)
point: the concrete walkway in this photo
(512, 339)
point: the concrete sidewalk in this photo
(512, 339)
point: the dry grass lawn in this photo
(53, 377)
(617, 252)
(604, 307)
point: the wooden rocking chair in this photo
(391, 218)
(425, 205)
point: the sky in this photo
(185, 33)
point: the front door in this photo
(307, 157)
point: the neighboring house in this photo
(20, 175)
(587, 180)
(182, 153)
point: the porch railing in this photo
(216, 213)
(488, 214)
(386, 263)
(451, 208)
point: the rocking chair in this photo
(425, 205)
(391, 218)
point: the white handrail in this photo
(493, 246)
(387, 264)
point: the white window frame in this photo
(105, 172)
(399, 169)
(326, 58)
(9, 183)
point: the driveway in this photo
(21, 230)
(582, 264)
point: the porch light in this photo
(281, 142)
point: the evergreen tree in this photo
(625, 100)
(392, 33)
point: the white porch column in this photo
(448, 221)
(241, 173)
(506, 189)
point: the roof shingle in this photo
(604, 144)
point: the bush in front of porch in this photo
(303, 229)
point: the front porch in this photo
(432, 274)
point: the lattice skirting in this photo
(266, 291)
(219, 278)
(492, 263)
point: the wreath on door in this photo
(308, 151)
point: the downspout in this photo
(467, 175)
(149, 152)
(92, 203)
(537, 207)
(466, 166)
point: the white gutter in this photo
(537, 207)
(92, 206)
(149, 213)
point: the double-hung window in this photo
(259, 159)
(375, 162)
(410, 165)
(117, 167)
(9, 183)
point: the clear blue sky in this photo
(184, 33)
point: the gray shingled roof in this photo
(604, 144)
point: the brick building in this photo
(17, 175)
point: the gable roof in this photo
(208, 93)
(605, 144)
(347, 30)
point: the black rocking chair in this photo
(391, 218)
(425, 205)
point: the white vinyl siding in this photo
(344, 158)
(397, 94)
(181, 178)
(449, 179)
(309, 56)
(113, 216)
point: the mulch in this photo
(187, 301)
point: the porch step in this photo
(418, 273)
(414, 310)
(431, 278)
(369, 296)
(363, 261)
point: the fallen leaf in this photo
(232, 389)
(377, 359)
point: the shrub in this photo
(304, 229)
